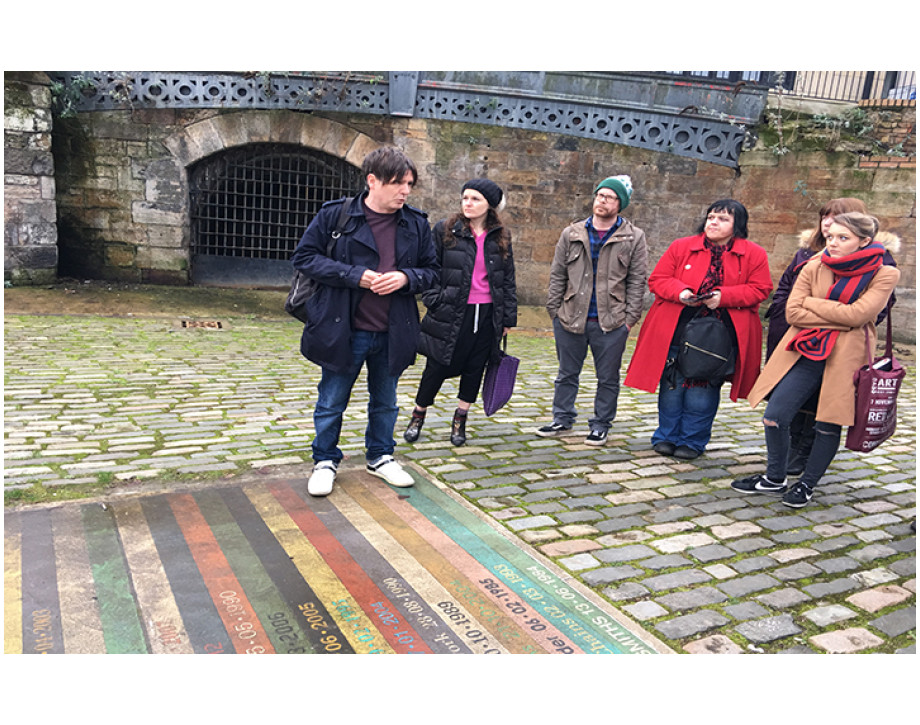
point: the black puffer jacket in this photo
(446, 303)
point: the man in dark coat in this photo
(364, 311)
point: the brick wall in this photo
(123, 190)
(894, 123)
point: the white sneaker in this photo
(322, 478)
(390, 471)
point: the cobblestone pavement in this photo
(99, 400)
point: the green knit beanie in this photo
(619, 185)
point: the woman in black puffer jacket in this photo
(472, 308)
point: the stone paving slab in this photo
(93, 402)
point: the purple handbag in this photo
(877, 384)
(498, 383)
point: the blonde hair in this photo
(864, 226)
(832, 208)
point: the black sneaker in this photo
(759, 484)
(797, 496)
(597, 437)
(553, 429)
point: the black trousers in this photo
(471, 354)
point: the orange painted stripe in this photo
(233, 606)
(453, 566)
(362, 588)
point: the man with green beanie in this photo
(596, 289)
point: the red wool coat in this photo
(746, 283)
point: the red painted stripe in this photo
(349, 572)
(468, 567)
(233, 606)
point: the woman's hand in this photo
(714, 301)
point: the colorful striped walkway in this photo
(265, 568)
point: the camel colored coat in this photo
(809, 307)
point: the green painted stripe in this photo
(121, 624)
(280, 621)
(574, 616)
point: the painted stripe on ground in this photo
(266, 568)
(80, 618)
(456, 571)
(12, 587)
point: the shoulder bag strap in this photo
(339, 226)
(888, 341)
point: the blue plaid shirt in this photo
(596, 243)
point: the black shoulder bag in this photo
(304, 287)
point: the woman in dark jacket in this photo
(474, 306)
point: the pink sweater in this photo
(479, 285)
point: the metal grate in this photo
(202, 324)
(254, 202)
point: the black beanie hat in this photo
(489, 189)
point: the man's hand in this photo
(383, 284)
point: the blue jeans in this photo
(370, 348)
(685, 414)
(786, 399)
(571, 350)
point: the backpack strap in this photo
(339, 225)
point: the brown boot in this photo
(458, 428)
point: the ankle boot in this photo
(414, 429)
(799, 458)
(458, 428)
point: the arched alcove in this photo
(255, 180)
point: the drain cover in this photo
(203, 324)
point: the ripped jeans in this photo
(790, 394)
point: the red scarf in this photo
(852, 275)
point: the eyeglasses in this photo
(606, 198)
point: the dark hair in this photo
(832, 208)
(492, 221)
(730, 206)
(388, 164)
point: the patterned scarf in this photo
(713, 277)
(852, 275)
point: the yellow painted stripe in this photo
(158, 609)
(433, 553)
(314, 570)
(365, 517)
(81, 624)
(12, 587)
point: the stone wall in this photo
(124, 211)
(29, 212)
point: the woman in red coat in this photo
(718, 269)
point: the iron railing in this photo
(852, 86)
(845, 86)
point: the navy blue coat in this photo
(326, 338)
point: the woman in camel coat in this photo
(823, 348)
